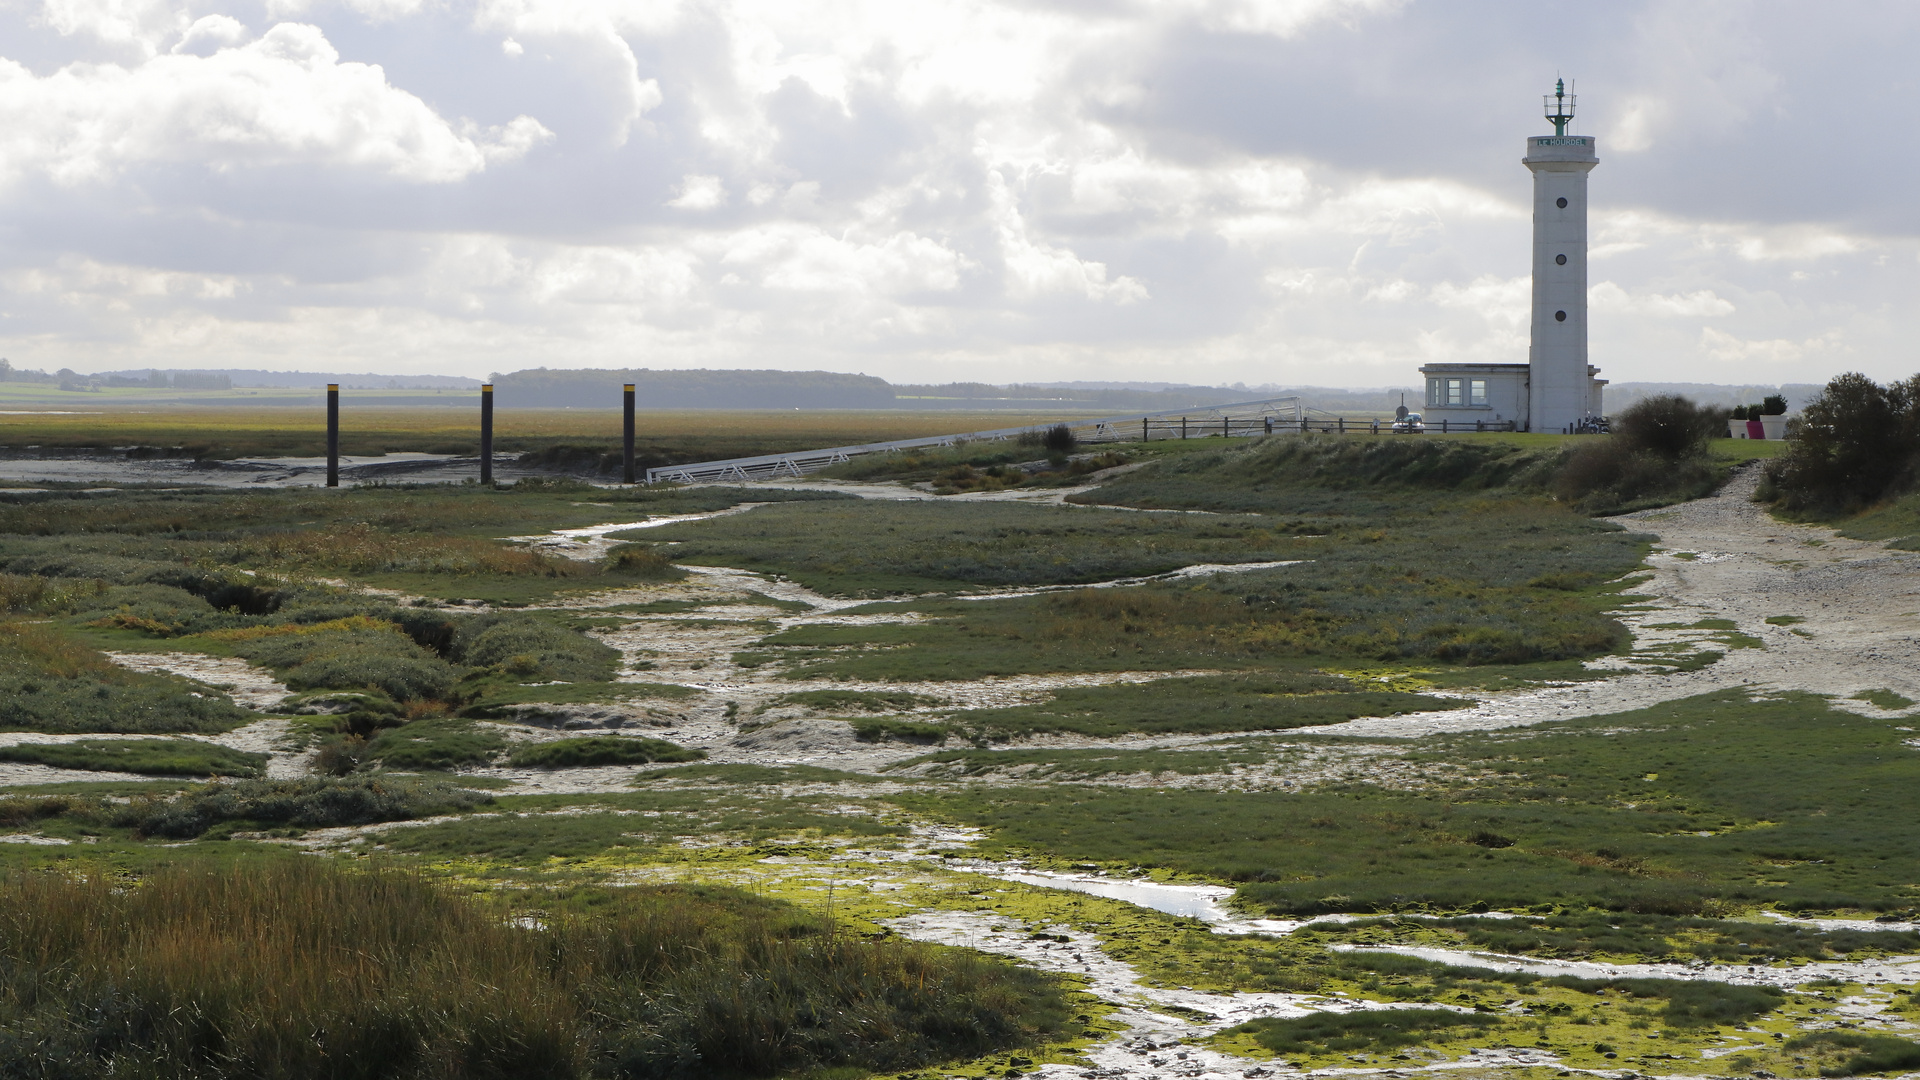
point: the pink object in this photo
(1756, 430)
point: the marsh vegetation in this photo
(470, 763)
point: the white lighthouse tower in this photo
(1562, 390)
(1556, 388)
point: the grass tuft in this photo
(601, 750)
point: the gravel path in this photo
(1725, 557)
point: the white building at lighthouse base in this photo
(1496, 394)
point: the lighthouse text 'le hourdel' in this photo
(1556, 390)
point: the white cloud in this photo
(1726, 349)
(1218, 190)
(1036, 269)
(138, 23)
(211, 33)
(1703, 303)
(699, 193)
(284, 99)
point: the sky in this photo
(1322, 192)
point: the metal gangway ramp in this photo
(1241, 418)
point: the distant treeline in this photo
(543, 388)
(787, 390)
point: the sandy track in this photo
(1725, 557)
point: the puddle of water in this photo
(1904, 969)
(593, 541)
(1194, 571)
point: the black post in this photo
(626, 446)
(1226, 432)
(1340, 424)
(333, 434)
(486, 434)
(1183, 427)
(1143, 429)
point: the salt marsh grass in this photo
(296, 969)
(153, 757)
(601, 750)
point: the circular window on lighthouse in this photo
(1561, 259)
(1561, 202)
(1559, 316)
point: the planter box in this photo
(1736, 429)
(1775, 427)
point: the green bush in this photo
(1856, 442)
(153, 757)
(1873, 1053)
(1323, 1033)
(882, 729)
(643, 562)
(600, 750)
(1656, 455)
(50, 683)
(351, 659)
(307, 803)
(437, 744)
(532, 649)
(1669, 425)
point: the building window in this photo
(1433, 392)
(1456, 392)
(1477, 392)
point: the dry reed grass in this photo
(299, 969)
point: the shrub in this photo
(1059, 439)
(1656, 455)
(307, 803)
(644, 562)
(601, 750)
(1856, 442)
(435, 744)
(365, 654)
(152, 757)
(1668, 425)
(533, 649)
(1774, 405)
(51, 683)
(1372, 1029)
(1874, 1053)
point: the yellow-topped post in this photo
(626, 447)
(333, 434)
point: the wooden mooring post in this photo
(486, 434)
(333, 434)
(626, 441)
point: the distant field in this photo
(109, 421)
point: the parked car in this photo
(1410, 424)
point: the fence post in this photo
(1269, 425)
(1226, 428)
(1376, 425)
(1340, 424)
(1183, 427)
(333, 434)
(1443, 427)
(486, 434)
(1143, 429)
(626, 442)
